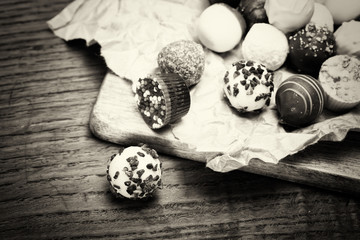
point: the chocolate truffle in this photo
(289, 15)
(344, 10)
(248, 86)
(134, 173)
(162, 98)
(220, 27)
(310, 47)
(265, 44)
(184, 57)
(253, 12)
(299, 100)
(340, 78)
(347, 38)
(322, 17)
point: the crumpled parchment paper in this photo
(132, 32)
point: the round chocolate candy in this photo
(185, 58)
(134, 173)
(310, 47)
(299, 100)
(248, 86)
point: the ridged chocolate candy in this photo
(162, 98)
(299, 100)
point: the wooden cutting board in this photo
(330, 165)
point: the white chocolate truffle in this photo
(347, 38)
(322, 17)
(220, 27)
(134, 173)
(265, 44)
(343, 10)
(340, 78)
(289, 15)
(248, 86)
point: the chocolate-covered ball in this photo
(310, 47)
(253, 12)
(134, 173)
(248, 86)
(185, 58)
(299, 100)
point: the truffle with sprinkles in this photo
(162, 98)
(248, 86)
(135, 172)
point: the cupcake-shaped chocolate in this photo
(340, 78)
(162, 98)
(310, 47)
(248, 86)
(299, 100)
(134, 173)
(184, 57)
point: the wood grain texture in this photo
(52, 168)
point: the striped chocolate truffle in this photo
(184, 57)
(162, 98)
(299, 100)
(248, 86)
(134, 173)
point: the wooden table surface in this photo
(53, 183)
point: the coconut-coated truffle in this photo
(265, 44)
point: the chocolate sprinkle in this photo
(141, 154)
(140, 172)
(130, 189)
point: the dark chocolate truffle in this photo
(310, 47)
(299, 100)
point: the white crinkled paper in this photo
(132, 32)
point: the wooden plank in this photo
(331, 165)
